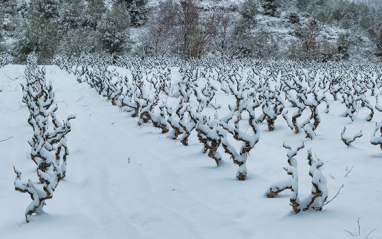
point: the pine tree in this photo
(343, 45)
(321, 3)
(92, 13)
(270, 7)
(36, 34)
(47, 9)
(248, 12)
(71, 13)
(8, 7)
(114, 29)
(1, 24)
(80, 40)
(137, 10)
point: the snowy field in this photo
(130, 181)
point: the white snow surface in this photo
(126, 181)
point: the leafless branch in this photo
(334, 195)
(6, 139)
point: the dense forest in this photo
(319, 30)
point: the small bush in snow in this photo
(349, 139)
(319, 194)
(377, 140)
(248, 142)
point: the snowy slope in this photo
(167, 190)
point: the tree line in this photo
(184, 28)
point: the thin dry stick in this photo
(80, 98)
(359, 230)
(359, 227)
(334, 195)
(349, 172)
(350, 233)
(6, 139)
(370, 233)
(7, 76)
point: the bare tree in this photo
(161, 28)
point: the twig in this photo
(7, 76)
(359, 227)
(359, 230)
(349, 233)
(370, 233)
(6, 139)
(348, 172)
(80, 98)
(62, 101)
(334, 195)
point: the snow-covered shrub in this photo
(64, 62)
(377, 140)
(291, 170)
(273, 106)
(349, 139)
(208, 135)
(49, 150)
(174, 123)
(263, 89)
(312, 104)
(159, 121)
(248, 142)
(319, 193)
(188, 124)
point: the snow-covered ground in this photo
(126, 181)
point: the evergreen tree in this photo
(248, 12)
(137, 10)
(1, 31)
(321, 3)
(36, 34)
(80, 40)
(343, 45)
(114, 29)
(92, 13)
(71, 14)
(270, 7)
(47, 9)
(302, 5)
(22, 8)
(8, 7)
(294, 18)
(376, 36)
